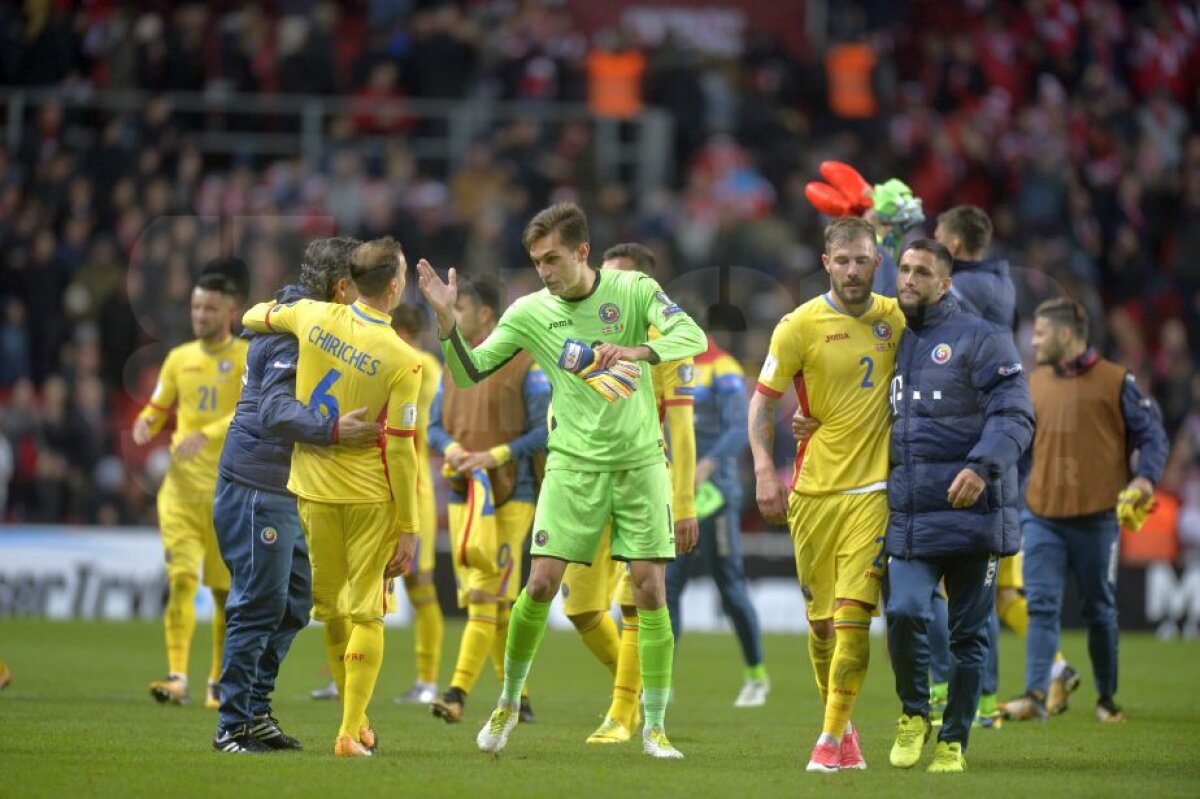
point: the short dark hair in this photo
(971, 224)
(485, 291)
(374, 264)
(935, 248)
(215, 281)
(641, 255)
(409, 318)
(567, 218)
(326, 261)
(846, 229)
(232, 271)
(1065, 312)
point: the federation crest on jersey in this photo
(269, 535)
(687, 373)
(882, 330)
(224, 366)
(609, 313)
(941, 354)
(541, 538)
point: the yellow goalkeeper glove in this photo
(618, 381)
(1132, 509)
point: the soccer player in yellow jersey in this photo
(202, 381)
(429, 626)
(359, 512)
(838, 351)
(589, 591)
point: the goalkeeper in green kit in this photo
(588, 331)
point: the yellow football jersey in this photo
(204, 384)
(841, 367)
(349, 358)
(674, 392)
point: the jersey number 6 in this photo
(321, 400)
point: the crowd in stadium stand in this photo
(1075, 123)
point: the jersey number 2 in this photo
(870, 364)
(321, 400)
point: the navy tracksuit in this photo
(258, 528)
(960, 399)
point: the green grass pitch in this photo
(78, 722)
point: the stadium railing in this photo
(288, 125)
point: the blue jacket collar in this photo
(996, 266)
(291, 293)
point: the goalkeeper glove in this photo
(1133, 508)
(896, 205)
(709, 500)
(618, 381)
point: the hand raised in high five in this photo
(440, 295)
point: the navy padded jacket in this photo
(269, 419)
(960, 398)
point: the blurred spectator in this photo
(1074, 124)
(14, 344)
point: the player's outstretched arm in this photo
(469, 365)
(440, 294)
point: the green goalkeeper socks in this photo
(526, 626)
(656, 651)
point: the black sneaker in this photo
(450, 707)
(1108, 712)
(525, 711)
(237, 741)
(266, 730)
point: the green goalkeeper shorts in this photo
(573, 508)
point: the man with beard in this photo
(961, 417)
(838, 350)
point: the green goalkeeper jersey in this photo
(589, 433)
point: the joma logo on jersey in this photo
(559, 323)
(836, 337)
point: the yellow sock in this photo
(430, 628)
(1058, 656)
(627, 682)
(820, 652)
(477, 639)
(603, 639)
(852, 630)
(363, 659)
(179, 621)
(503, 612)
(337, 634)
(1014, 612)
(218, 633)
